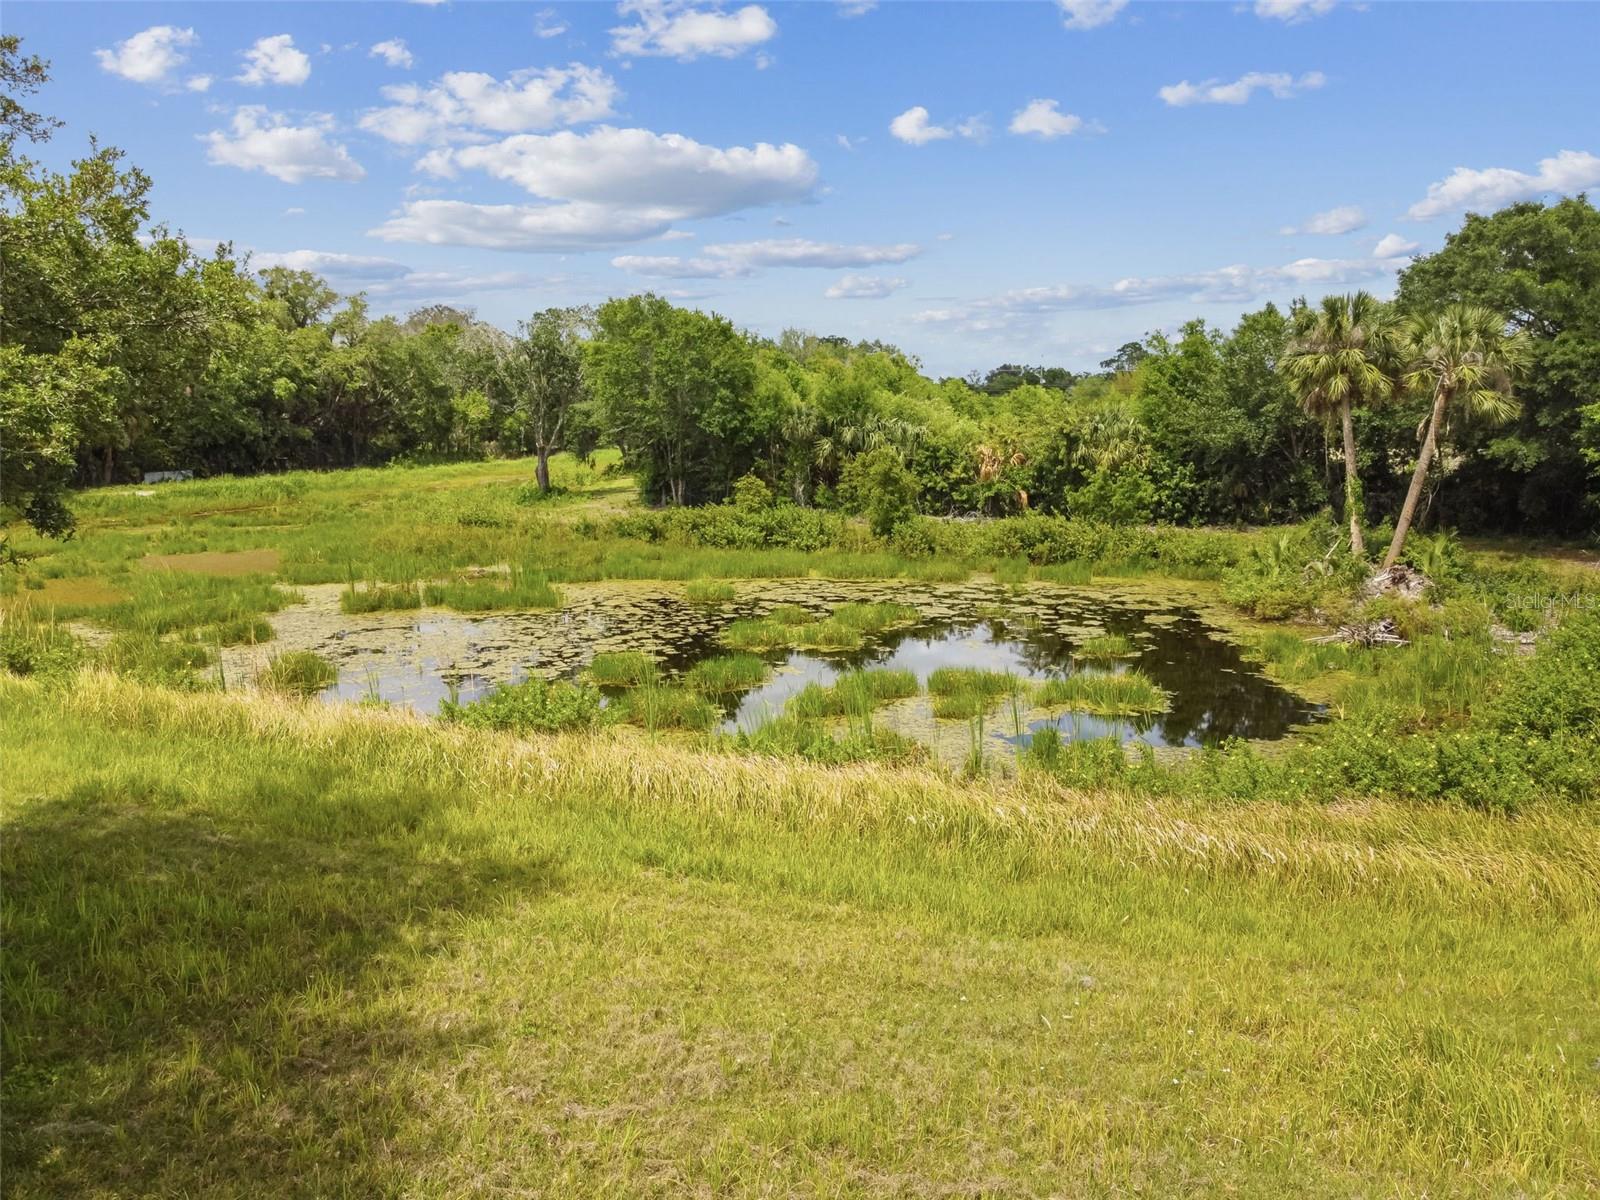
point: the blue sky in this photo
(975, 182)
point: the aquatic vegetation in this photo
(522, 588)
(380, 597)
(727, 673)
(791, 614)
(874, 618)
(1128, 693)
(1105, 647)
(623, 668)
(853, 693)
(297, 673)
(791, 736)
(657, 706)
(532, 706)
(236, 632)
(967, 692)
(828, 634)
(708, 591)
(757, 634)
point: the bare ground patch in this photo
(218, 562)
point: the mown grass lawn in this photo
(255, 947)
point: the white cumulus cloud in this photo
(394, 52)
(1569, 171)
(605, 186)
(1043, 118)
(685, 31)
(864, 287)
(461, 105)
(198, 83)
(730, 260)
(150, 55)
(274, 60)
(915, 128)
(1392, 245)
(260, 140)
(1280, 84)
(1089, 14)
(1345, 219)
(1292, 12)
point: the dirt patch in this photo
(218, 562)
(74, 593)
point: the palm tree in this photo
(1464, 355)
(1342, 354)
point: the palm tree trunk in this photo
(1352, 485)
(1408, 510)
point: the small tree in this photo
(540, 377)
(878, 485)
(1464, 356)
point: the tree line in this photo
(1471, 399)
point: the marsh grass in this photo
(853, 693)
(963, 693)
(708, 591)
(297, 673)
(1126, 694)
(1105, 647)
(623, 668)
(375, 597)
(522, 588)
(727, 673)
(661, 707)
(791, 626)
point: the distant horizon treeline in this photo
(124, 350)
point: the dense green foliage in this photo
(125, 349)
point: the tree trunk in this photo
(541, 470)
(1352, 484)
(108, 464)
(1408, 510)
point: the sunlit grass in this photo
(346, 952)
(1128, 693)
(727, 673)
(967, 692)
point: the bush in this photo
(42, 649)
(533, 706)
(878, 485)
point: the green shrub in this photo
(31, 646)
(533, 706)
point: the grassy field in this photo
(256, 947)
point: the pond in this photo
(419, 659)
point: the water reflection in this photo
(1034, 632)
